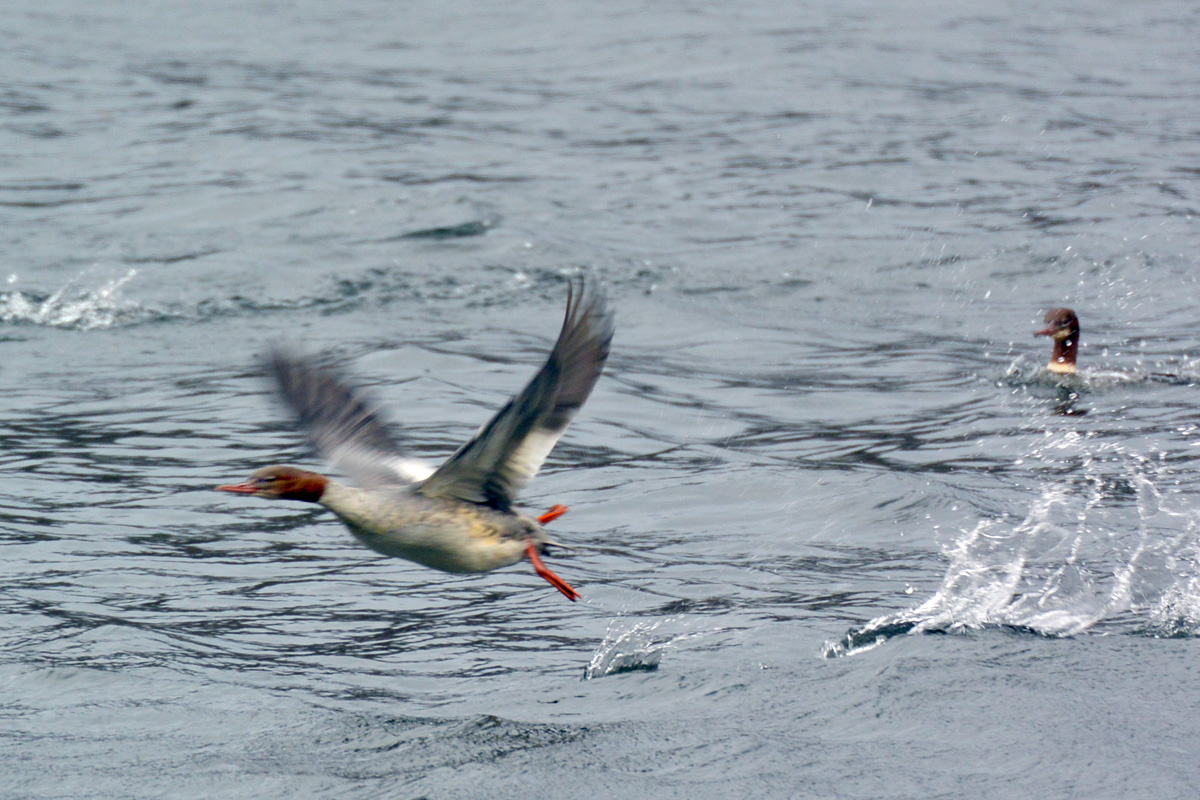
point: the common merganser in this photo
(1063, 326)
(460, 517)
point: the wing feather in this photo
(503, 456)
(342, 423)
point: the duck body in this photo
(439, 533)
(460, 517)
(1062, 326)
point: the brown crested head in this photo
(1061, 323)
(1063, 327)
(281, 483)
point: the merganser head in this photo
(1063, 327)
(281, 483)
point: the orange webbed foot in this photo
(554, 513)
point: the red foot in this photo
(554, 513)
(558, 583)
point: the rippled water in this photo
(837, 533)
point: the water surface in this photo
(836, 536)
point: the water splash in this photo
(640, 647)
(1177, 613)
(72, 306)
(632, 650)
(1092, 550)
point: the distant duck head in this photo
(1063, 327)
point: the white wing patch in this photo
(411, 470)
(527, 458)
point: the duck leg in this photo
(531, 550)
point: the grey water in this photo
(837, 534)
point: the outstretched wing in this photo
(505, 454)
(342, 423)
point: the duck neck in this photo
(339, 497)
(1062, 360)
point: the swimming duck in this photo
(459, 517)
(1063, 326)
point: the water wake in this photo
(1030, 371)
